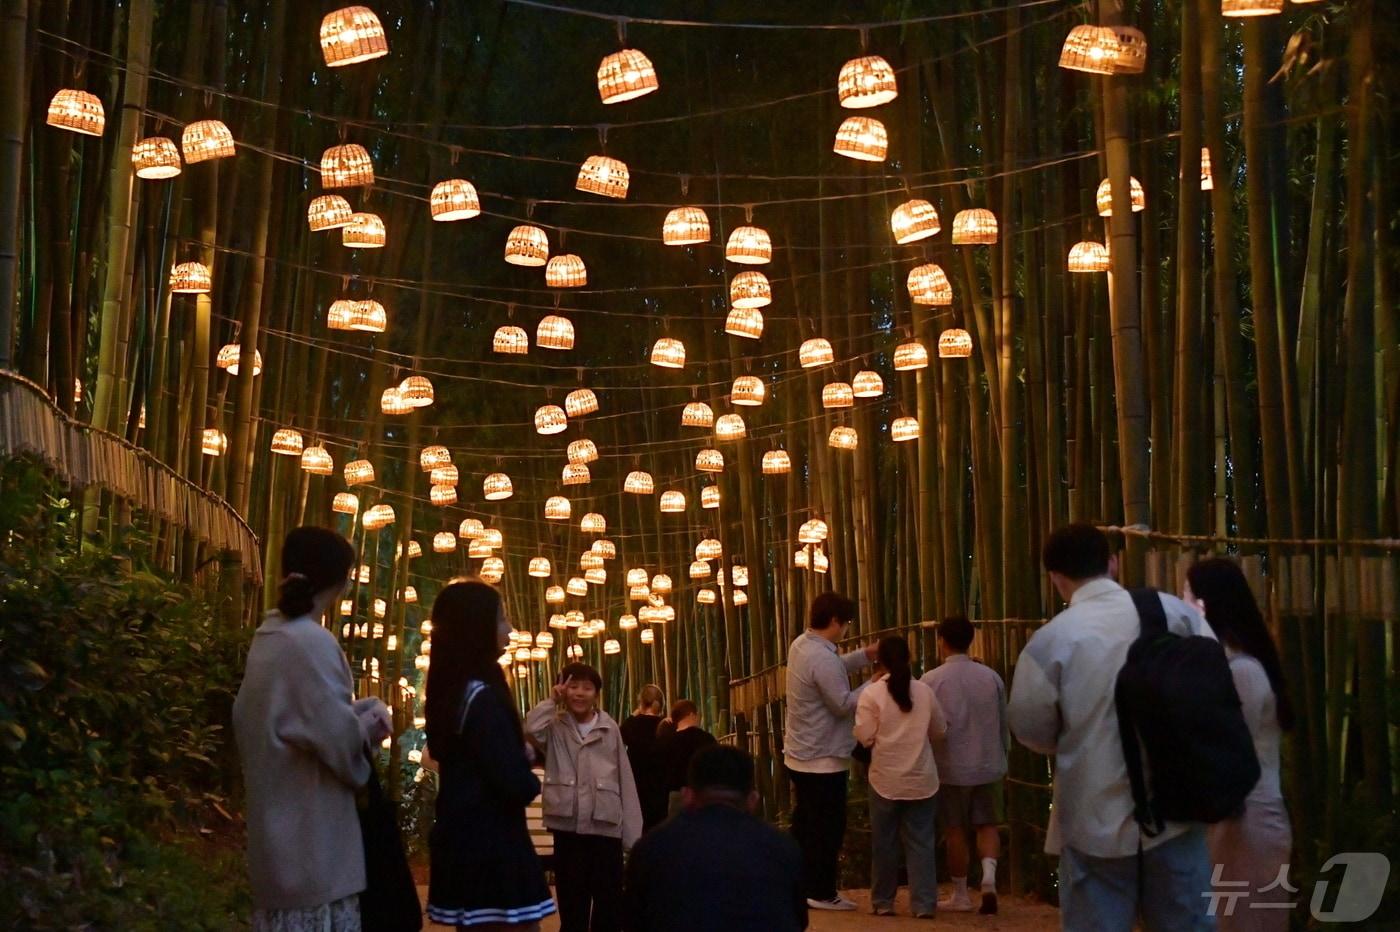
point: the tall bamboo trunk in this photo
(1189, 440)
(14, 71)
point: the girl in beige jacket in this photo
(590, 800)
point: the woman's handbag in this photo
(390, 902)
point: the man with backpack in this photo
(1119, 858)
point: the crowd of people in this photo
(654, 822)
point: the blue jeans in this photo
(911, 820)
(1101, 894)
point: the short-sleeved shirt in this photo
(973, 699)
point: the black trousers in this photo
(819, 827)
(588, 882)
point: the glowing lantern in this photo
(820, 562)
(576, 474)
(550, 419)
(1103, 198)
(378, 516)
(593, 523)
(813, 532)
(838, 395)
(352, 35)
(729, 427)
(444, 542)
(190, 278)
(555, 332)
(409, 594)
(748, 390)
(317, 461)
(454, 199)
(709, 461)
(705, 596)
(904, 428)
(672, 501)
(359, 472)
(493, 569)
(605, 549)
(698, 414)
(914, 220)
(433, 456)
(709, 497)
(625, 75)
(709, 549)
(566, 271)
(595, 576)
(470, 529)
(497, 487)
(492, 538)
(928, 284)
(392, 402)
(601, 174)
(741, 598)
(1250, 7)
(648, 636)
(975, 226)
(576, 585)
(287, 442)
(1093, 49)
(749, 245)
(214, 442)
(800, 559)
(685, 226)
(511, 341)
(229, 355)
(77, 111)
(444, 475)
(661, 584)
(815, 352)
(700, 569)
(1132, 49)
(156, 157)
(206, 139)
(528, 246)
(478, 550)
(1088, 257)
(539, 567)
(862, 138)
(443, 495)
(544, 639)
(1207, 177)
(864, 82)
(637, 576)
(346, 166)
(668, 353)
(346, 503)
(554, 595)
(954, 343)
(750, 289)
(328, 212)
(364, 231)
(909, 356)
(582, 451)
(867, 384)
(744, 322)
(557, 508)
(842, 438)
(588, 560)
(580, 401)
(776, 463)
(639, 483)
(627, 622)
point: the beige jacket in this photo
(588, 785)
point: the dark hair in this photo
(581, 671)
(313, 560)
(1235, 618)
(721, 768)
(680, 710)
(894, 657)
(1076, 551)
(650, 697)
(466, 615)
(956, 631)
(830, 605)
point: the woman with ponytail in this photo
(898, 717)
(303, 738)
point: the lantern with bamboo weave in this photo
(364, 231)
(639, 483)
(470, 529)
(709, 461)
(363, 574)
(493, 538)
(801, 559)
(77, 111)
(842, 438)
(454, 199)
(914, 220)
(555, 595)
(838, 395)
(444, 475)
(741, 598)
(668, 353)
(661, 584)
(444, 542)
(378, 516)
(1207, 176)
(359, 472)
(593, 523)
(1132, 50)
(750, 289)
(813, 531)
(346, 166)
(709, 548)
(417, 391)
(625, 75)
(510, 340)
(1103, 198)
(672, 502)
(497, 487)
(1088, 257)
(190, 278)
(815, 352)
(229, 356)
(748, 391)
(709, 497)
(686, 226)
(328, 212)
(867, 384)
(555, 332)
(287, 442)
(705, 596)
(604, 548)
(749, 245)
(351, 35)
(928, 284)
(904, 428)
(975, 226)
(595, 576)
(478, 549)
(580, 401)
(820, 562)
(544, 639)
(744, 322)
(730, 427)
(582, 451)
(550, 419)
(557, 508)
(627, 622)
(697, 414)
(206, 139)
(156, 157)
(566, 271)
(1092, 49)
(317, 461)
(954, 343)
(576, 474)
(392, 402)
(576, 585)
(540, 567)
(364, 316)
(910, 356)
(862, 138)
(213, 442)
(867, 81)
(409, 594)
(414, 549)
(776, 463)
(528, 246)
(493, 569)
(604, 175)
(433, 456)
(610, 647)
(588, 560)
(648, 636)
(700, 569)
(637, 576)
(1250, 7)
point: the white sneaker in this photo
(837, 903)
(956, 904)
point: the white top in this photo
(1260, 708)
(585, 727)
(973, 700)
(901, 755)
(1062, 704)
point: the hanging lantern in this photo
(709, 548)
(538, 654)
(392, 402)
(729, 427)
(156, 157)
(540, 568)
(287, 442)
(417, 391)
(740, 575)
(864, 82)
(1207, 177)
(433, 456)
(444, 542)
(381, 608)
(478, 550)
(1250, 7)
(347, 608)
(672, 502)
(364, 316)
(214, 442)
(700, 569)
(497, 487)
(364, 231)
(593, 523)
(815, 352)
(914, 220)
(741, 598)
(605, 549)
(637, 576)
(352, 35)
(668, 353)
(328, 212)
(205, 140)
(904, 428)
(582, 451)
(378, 516)
(697, 414)
(555, 332)
(862, 138)
(928, 284)
(748, 391)
(705, 596)
(639, 483)
(595, 576)
(601, 174)
(229, 355)
(661, 584)
(627, 622)
(581, 401)
(976, 226)
(555, 595)
(454, 199)
(686, 226)
(557, 508)
(576, 474)
(867, 384)
(317, 461)
(492, 538)
(493, 569)
(776, 463)
(1104, 197)
(577, 585)
(550, 419)
(750, 289)
(648, 636)
(744, 322)
(511, 341)
(409, 595)
(838, 395)
(1088, 257)
(842, 438)
(1132, 50)
(588, 560)
(910, 356)
(709, 461)
(470, 529)
(566, 271)
(625, 75)
(574, 651)
(346, 166)
(749, 245)
(528, 246)
(954, 343)
(586, 633)
(77, 111)
(191, 278)
(444, 475)
(813, 532)
(610, 646)
(800, 559)
(1093, 49)
(544, 639)
(359, 472)
(709, 497)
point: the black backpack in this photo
(1176, 701)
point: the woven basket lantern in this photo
(576, 474)
(582, 451)
(928, 284)
(741, 598)
(595, 576)
(230, 354)
(904, 428)
(191, 278)
(328, 212)
(672, 502)
(1088, 257)
(705, 596)
(576, 585)
(588, 560)
(914, 220)
(627, 622)
(686, 226)
(1250, 7)
(1207, 176)
(639, 482)
(815, 352)
(417, 391)
(478, 550)
(1103, 198)
(555, 332)
(954, 343)
(864, 82)
(454, 199)
(317, 461)
(538, 654)
(625, 75)
(749, 245)
(544, 639)
(709, 461)
(368, 317)
(910, 356)
(813, 532)
(975, 226)
(528, 246)
(668, 353)
(744, 322)
(339, 314)
(214, 442)
(867, 384)
(581, 401)
(709, 497)
(610, 646)
(750, 289)
(1090, 48)
(550, 419)
(838, 395)
(359, 472)
(77, 111)
(540, 568)
(748, 391)
(351, 35)
(566, 271)
(378, 516)
(364, 231)
(709, 548)
(381, 608)
(740, 576)
(287, 442)
(510, 340)
(557, 508)
(593, 523)
(776, 463)
(493, 538)
(156, 157)
(409, 594)
(431, 457)
(862, 138)
(730, 427)
(444, 542)
(602, 174)
(1132, 50)
(801, 559)
(205, 140)
(701, 569)
(648, 636)
(471, 529)
(698, 414)
(493, 570)
(638, 576)
(842, 438)
(444, 475)
(605, 549)
(497, 487)
(346, 166)
(392, 402)
(646, 614)
(661, 584)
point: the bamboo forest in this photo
(663, 319)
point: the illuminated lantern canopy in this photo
(672, 501)
(698, 414)
(600, 174)
(815, 352)
(749, 245)
(328, 212)
(1092, 49)
(317, 461)
(904, 428)
(910, 356)
(748, 391)
(686, 226)
(709, 497)
(156, 157)
(813, 532)
(557, 508)
(709, 461)
(206, 139)
(729, 427)
(744, 322)
(668, 353)
(639, 483)
(582, 451)
(864, 82)
(392, 402)
(497, 487)
(433, 456)
(417, 391)
(77, 111)
(566, 271)
(359, 472)
(352, 35)
(550, 419)
(1103, 198)
(511, 341)
(190, 278)
(625, 75)
(555, 332)
(287, 442)
(471, 529)
(1088, 257)
(214, 442)
(346, 166)
(867, 384)
(444, 542)
(364, 231)
(750, 289)
(862, 138)
(1251, 7)
(580, 401)
(593, 523)
(975, 226)
(837, 395)
(229, 355)
(454, 199)
(954, 343)
(576, 474)
(539, 567)
(776, 463)
(842, 438)
(527, 246)
(928, 284)
(914, 220)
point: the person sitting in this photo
(716, 865)
(680, 737)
